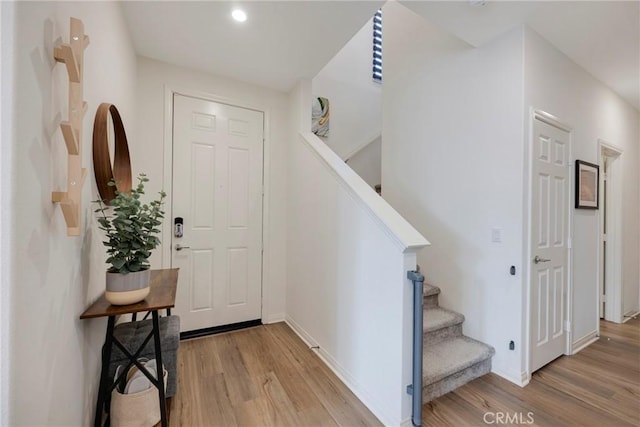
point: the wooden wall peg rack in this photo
(72, 55)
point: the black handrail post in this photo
(416, 388)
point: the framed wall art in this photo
(320, 116)
(587, 182)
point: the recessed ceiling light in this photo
(239, 15)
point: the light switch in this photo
(496, 235)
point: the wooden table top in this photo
(162, 295)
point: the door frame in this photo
(167, 167)
(613, 305)
(541, 115)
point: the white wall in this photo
(452, 165)
(354, 99)
(54, 356)
(154, 78)
(557, 85)
(368, 163)
(411, 42)
(348, 254)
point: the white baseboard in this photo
(274, 318)
(375, 407)
(520, 379)
(304, 336)
(628, 317)
(583, 342)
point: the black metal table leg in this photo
(104, 374)
(159, 369)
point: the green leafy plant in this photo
(131, 229)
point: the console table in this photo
(161, 296)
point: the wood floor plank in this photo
(289, 371)
(216, 405)
(255, 412)
(266, 376)
(344, 407)
(262, 376)
(317, 417)
(239, 384)
(187, 405)
(282, 410)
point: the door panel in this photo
(549, 222)
(203, 165)
(217, 190)
(238, 188)
(238, 282)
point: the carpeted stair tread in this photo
(448, 357)
(437, 318)
(430, 290)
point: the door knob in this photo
(537, 259)
(179, 247)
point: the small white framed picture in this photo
(587, 182)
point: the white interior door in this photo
(217, 190)
(549, 241)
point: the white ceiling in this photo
(279, 43)
(283, 41)
(602, 37)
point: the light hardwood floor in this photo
(262, 376)
(599, 387)
(266, 376)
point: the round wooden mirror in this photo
(103, 169)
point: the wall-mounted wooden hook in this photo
(72, 54)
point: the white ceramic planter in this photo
(130, 288)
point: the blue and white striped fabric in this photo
(377, 46)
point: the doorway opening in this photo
(610, 244)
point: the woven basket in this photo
(136, 409)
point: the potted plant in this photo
(131, 234)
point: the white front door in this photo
(217, 191)
(550, 203)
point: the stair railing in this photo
(415, 389)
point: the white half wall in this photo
(348, 256)
(557, 85)
(452, 165)
(54, 356)
(155, 80)
(354, 98)
(347, 291)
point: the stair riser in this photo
(431, 301)
(439, 335)
(450, 383)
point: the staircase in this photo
(449, 358)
